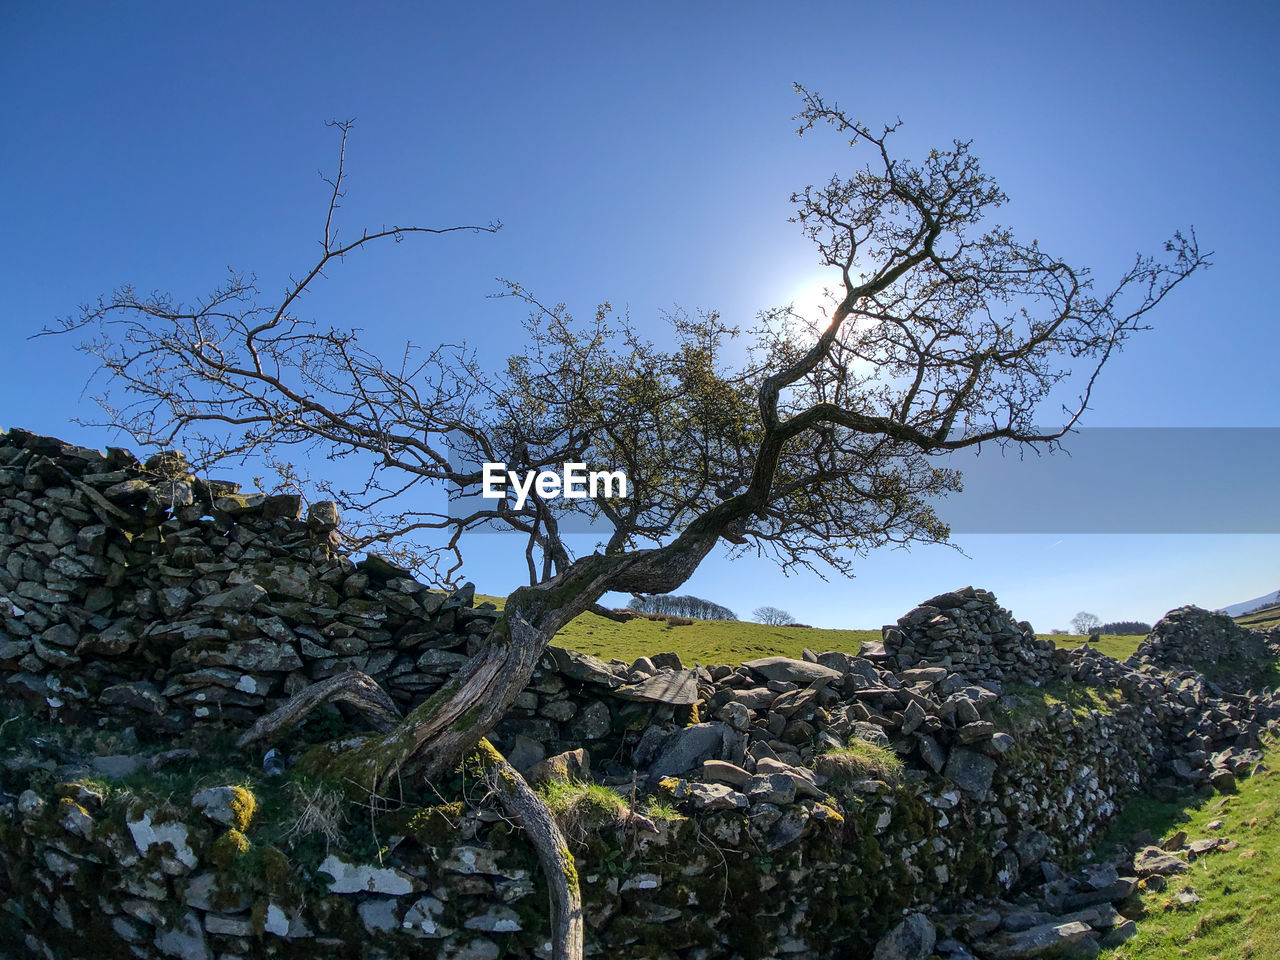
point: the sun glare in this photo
(814, 300)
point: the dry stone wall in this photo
(134, 594)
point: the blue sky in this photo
(644, 154)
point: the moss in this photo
(228, 848)
(243, 805)
(829, 812)
(275, 866)
(434, 826)
(570, 870)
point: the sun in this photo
(814, 299)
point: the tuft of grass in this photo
(859, 760)
(661, 810)
(581, 808)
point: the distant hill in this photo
(1268, 618)
(1246, 605)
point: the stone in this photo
(363, 878)
(378, 914)
(74, 819)
(776, 788)
(1047, 940)
(185, 939)
(1031, 846)
(970, 771)
(289, 926)
(689, 747)
(716, 796)
(570, 765)
(581, 666)
(558, 710)
(147, 834)
(912, 717)
(1153, 861)
(795, 671)
(473, 860)
(593, 722)
(136, 695)
(912, 939)
(421, 919)
(1118, 934)
(931, 753)
(719, 771)
(675, 687)
(252, 656)
(472, 949)
(323, 516)
(239, 599)
(229, 806)
(756, 698)
(976, 731)
(221, 924)
(923, 675)
(497, 919)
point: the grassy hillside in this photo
(1268, 618)
(719, 641)
(1238, 888)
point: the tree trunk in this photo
(553, 850)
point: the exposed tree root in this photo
(353, 687)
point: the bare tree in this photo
(944, 332)
(772, 616)
(1085, 623)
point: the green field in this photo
(1268, 618)
(1238, 888)
(709, 642)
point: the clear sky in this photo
(644, 154)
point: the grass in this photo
(1268, 618)
(859, 760)
(732, 642)
(706, 642)
(1239, 888)
(1113, 645)
(580, 808)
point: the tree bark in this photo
(353, 687)
(558, 865)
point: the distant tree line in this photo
(681, 606)
(1126, 628)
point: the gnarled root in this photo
(353, 687)
(522, 804)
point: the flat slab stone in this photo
(676, 687)
(581, 666)
(1047, 940)
(362, 878)
(1153, 861)
(795, 671)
